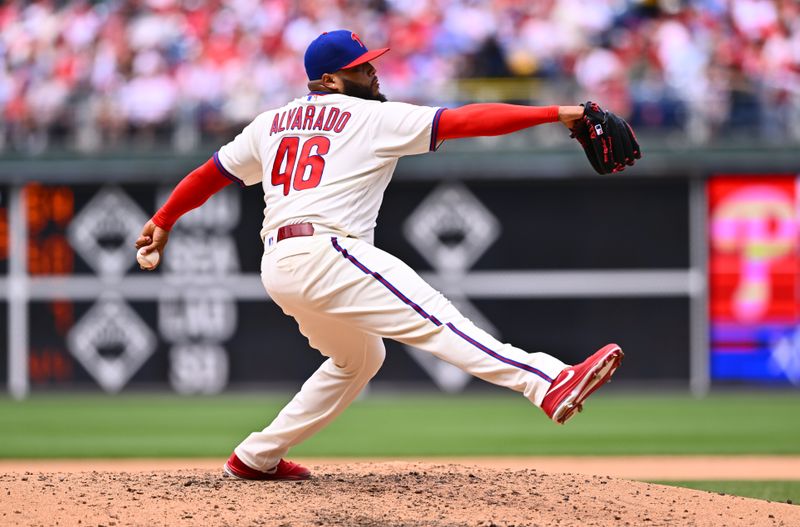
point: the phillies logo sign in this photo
(357, 39)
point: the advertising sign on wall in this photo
(754, 273)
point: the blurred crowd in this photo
(176, 73)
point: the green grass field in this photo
(382, 425)
(783, 491)
(403, 425)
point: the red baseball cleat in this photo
(284, 470)
(575, 383)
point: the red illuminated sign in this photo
(754, 274)
(754, 252)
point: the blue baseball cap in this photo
(337, 50)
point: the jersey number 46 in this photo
(291, 171)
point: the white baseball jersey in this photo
(327, 159)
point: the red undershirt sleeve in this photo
(474, 120)
(193, 190)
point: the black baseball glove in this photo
(608, 141)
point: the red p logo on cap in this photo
(337, 50)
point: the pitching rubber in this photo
(600, 375)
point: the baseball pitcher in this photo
(324, 161)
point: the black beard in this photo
(362, 92)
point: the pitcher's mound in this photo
(371, 494)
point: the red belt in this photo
(297, 229)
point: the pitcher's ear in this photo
(331, 82)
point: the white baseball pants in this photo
(347, 295)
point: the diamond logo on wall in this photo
(111, 342)
(104, 232)
(451, 228)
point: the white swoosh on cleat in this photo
(566, 379)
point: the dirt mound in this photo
(370, 494)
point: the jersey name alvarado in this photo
(310, 118)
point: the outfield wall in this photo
(530, 245)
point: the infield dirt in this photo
(369, 494)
